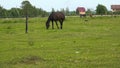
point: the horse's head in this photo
(47, 25)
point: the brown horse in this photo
(55, 16)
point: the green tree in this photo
(89, 11)
(14, 12)
(62, 10)
(101, 9)
(26, 8)
(67, 11)
(72, 13)
(32, 11)
(3, 12)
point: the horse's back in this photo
(62, 15)
(57, 15)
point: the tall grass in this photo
(81, 44)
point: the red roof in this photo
(80, 9)
(116, 7)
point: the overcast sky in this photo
(58, 4)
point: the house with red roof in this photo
(115, 8)
(81, 11)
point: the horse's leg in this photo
(52, 25)
(61, 23)
(57, 24)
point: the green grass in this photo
(91, 44)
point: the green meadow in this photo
(94, 43)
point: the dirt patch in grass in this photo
(31, 60)
(27, 60)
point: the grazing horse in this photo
(55, 16)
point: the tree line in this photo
(32, 11)
(102, 10)
(19, 12)
(35, 12)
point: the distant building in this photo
(115, 8)
(81, 11)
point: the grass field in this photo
(81, 44)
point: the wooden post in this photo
(26, 31)
(26, 23)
